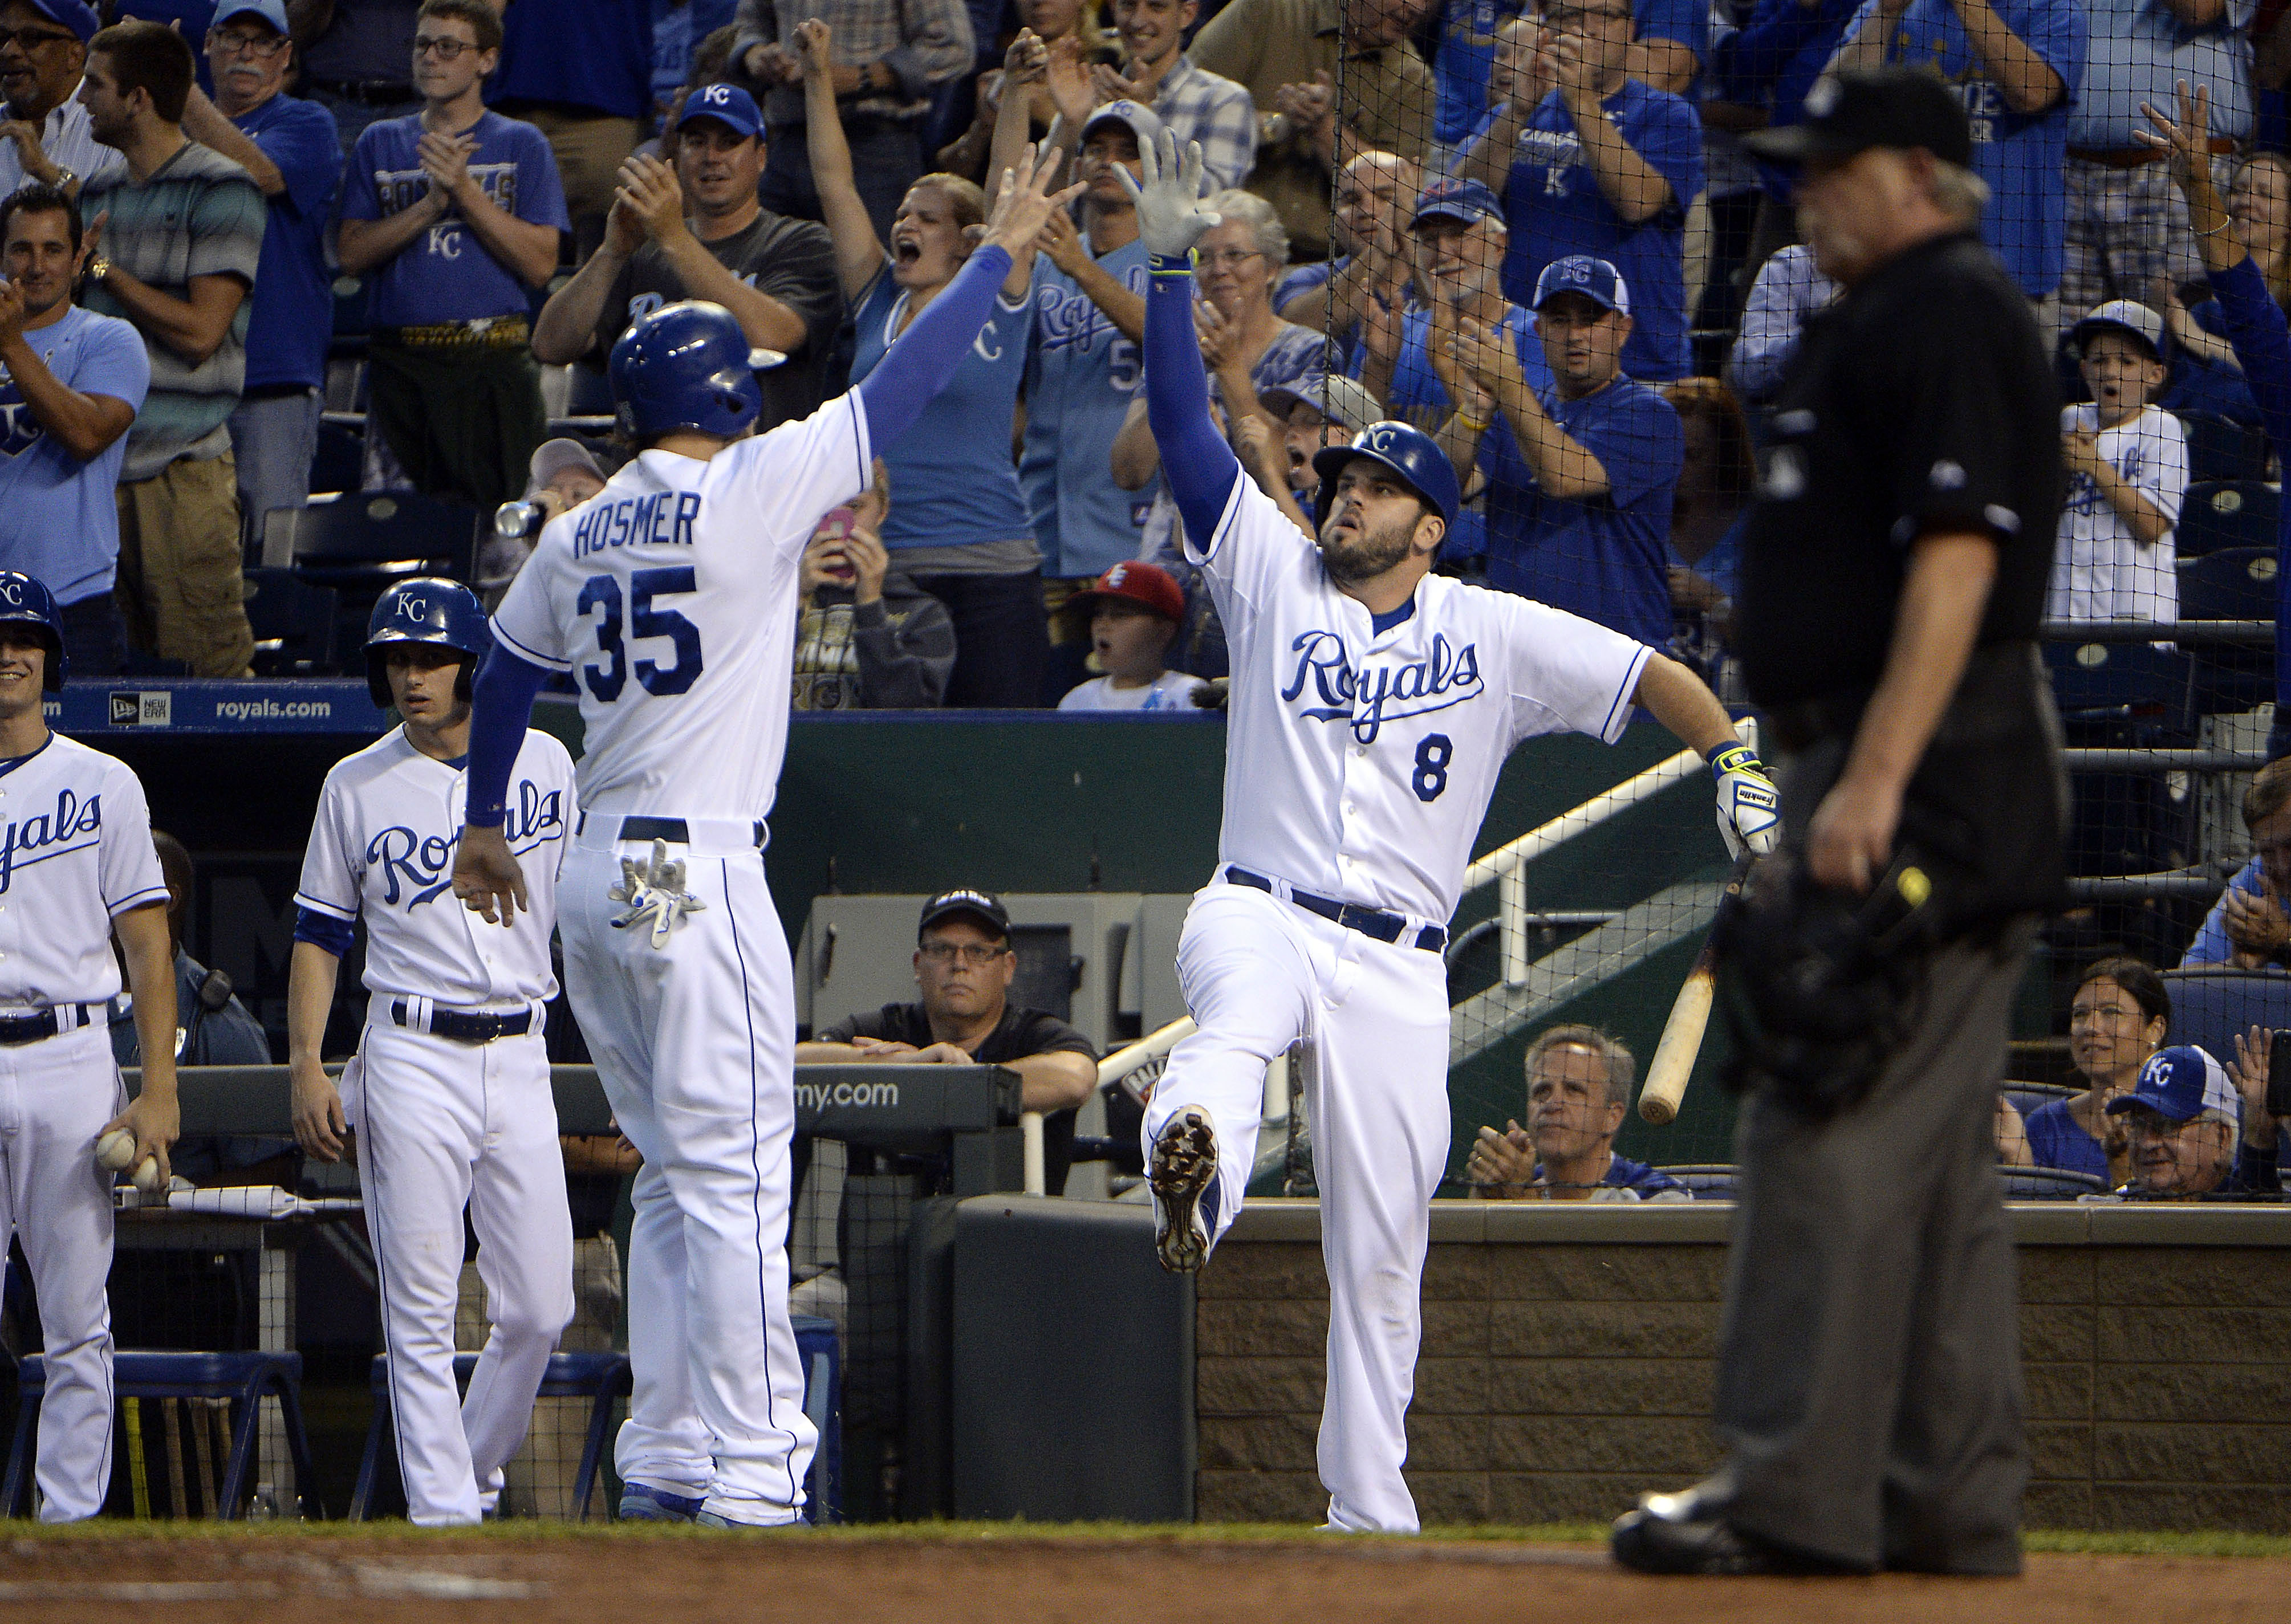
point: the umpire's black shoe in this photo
(1680, 1533)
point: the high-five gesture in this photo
(2186, 146)
(1024, 201)
(1171, 218)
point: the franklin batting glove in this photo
(1749, 815)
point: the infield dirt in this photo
(696, 1579)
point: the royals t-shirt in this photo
(1081, 374)
(447, 274)
(952, 482)
(1556, 208)
(1604, 558)
(2021, 156)
(58, 522)
(293, 298)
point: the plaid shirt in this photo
(925, 42)
(1200, 106)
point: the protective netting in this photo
(1586, 155)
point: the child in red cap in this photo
(1134, 612)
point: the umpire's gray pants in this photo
(1869, 1366)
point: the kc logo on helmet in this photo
(413, 608)
(13, 594)
(1380, 439)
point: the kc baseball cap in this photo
(1148, 584)
(551, 458)
(1449, 198)
(1141, 121)
(983, 905)
(1851, 112)
(2125, 316)
(1578, 273)
(270, 11)
(728, 104)
(77, 15)
(2181, 1082)
(1343, 401)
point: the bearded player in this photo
(1373, 704)
(672, 596)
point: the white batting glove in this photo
(1749, 814)
(1170, 219)
(654, 893)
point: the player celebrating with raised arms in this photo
(449, 1090)
(76, 864)
(672, 597)
(1373, 705)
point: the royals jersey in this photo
(1360, 763)
(75, 853)
(670, 595)
(389, 820)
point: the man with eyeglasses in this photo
(2249, 927)
(2198, 1127)
(48, 138)
(964, 963)
(291, 148)
(1603, 165)
(455, 211)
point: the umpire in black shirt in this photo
(1869, 1386)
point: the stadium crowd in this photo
(1530, 228)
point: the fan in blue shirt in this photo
(1579, 1091)
(1580, 490)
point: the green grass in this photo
(2053, 1542)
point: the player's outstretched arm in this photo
(485, 873)
(1749, 816)
(916, 367)
(1199, 465)
(154, 1119)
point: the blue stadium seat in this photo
(2234, 584)
(370, 539)
(2220, 448)
(293, 623)
(2027, 1097)
(2211, 1005)
(352, 319)
(589, 393)
(2048, 1183)
(1710, 1180)
(244, 1379)
(2233, 513)
(339, 463)
(2119, 681)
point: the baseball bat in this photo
(1690, 1017)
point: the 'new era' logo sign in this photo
(143, 709)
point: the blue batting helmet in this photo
(25, 602)
(425, 610)
(1409, 452)
(687, 365)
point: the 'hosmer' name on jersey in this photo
(1370, 756)
(389, 819)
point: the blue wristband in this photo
(1733, 757)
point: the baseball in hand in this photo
(115, 1150)
(146, 1175)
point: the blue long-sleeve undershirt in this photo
(2262, 337)
(1199, 466)
(500, 705)
(918, 366)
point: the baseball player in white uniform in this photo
(448, 1092)
(76, 864)
(1373, 705)
(672, 597)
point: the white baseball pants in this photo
(56, 1096)
(694, 1042)
(1260, 974)
(443, 1126)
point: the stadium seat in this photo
(2235, 584)
(2048, 1183)
(370, 539)
(589, 393)
(352, 320)
(2235, 513)
(600, 1376)
(2027, 1097)
(2119, 682)
(244, 1379)
(2211, 1005)
(339, 463)
(1710, 1180)
(2220, 448)
(294, 624)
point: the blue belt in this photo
(675, 830)
(468, 1026)
(31, 1029)
(1374, 922)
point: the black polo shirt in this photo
(1017, 1035)
(1924, 400)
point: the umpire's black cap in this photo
(1853, 111)
(983, 906)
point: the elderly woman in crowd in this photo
(961, 530)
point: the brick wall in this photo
(1568, 1360)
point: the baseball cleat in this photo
(640, 1502)
(1181, 1170)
